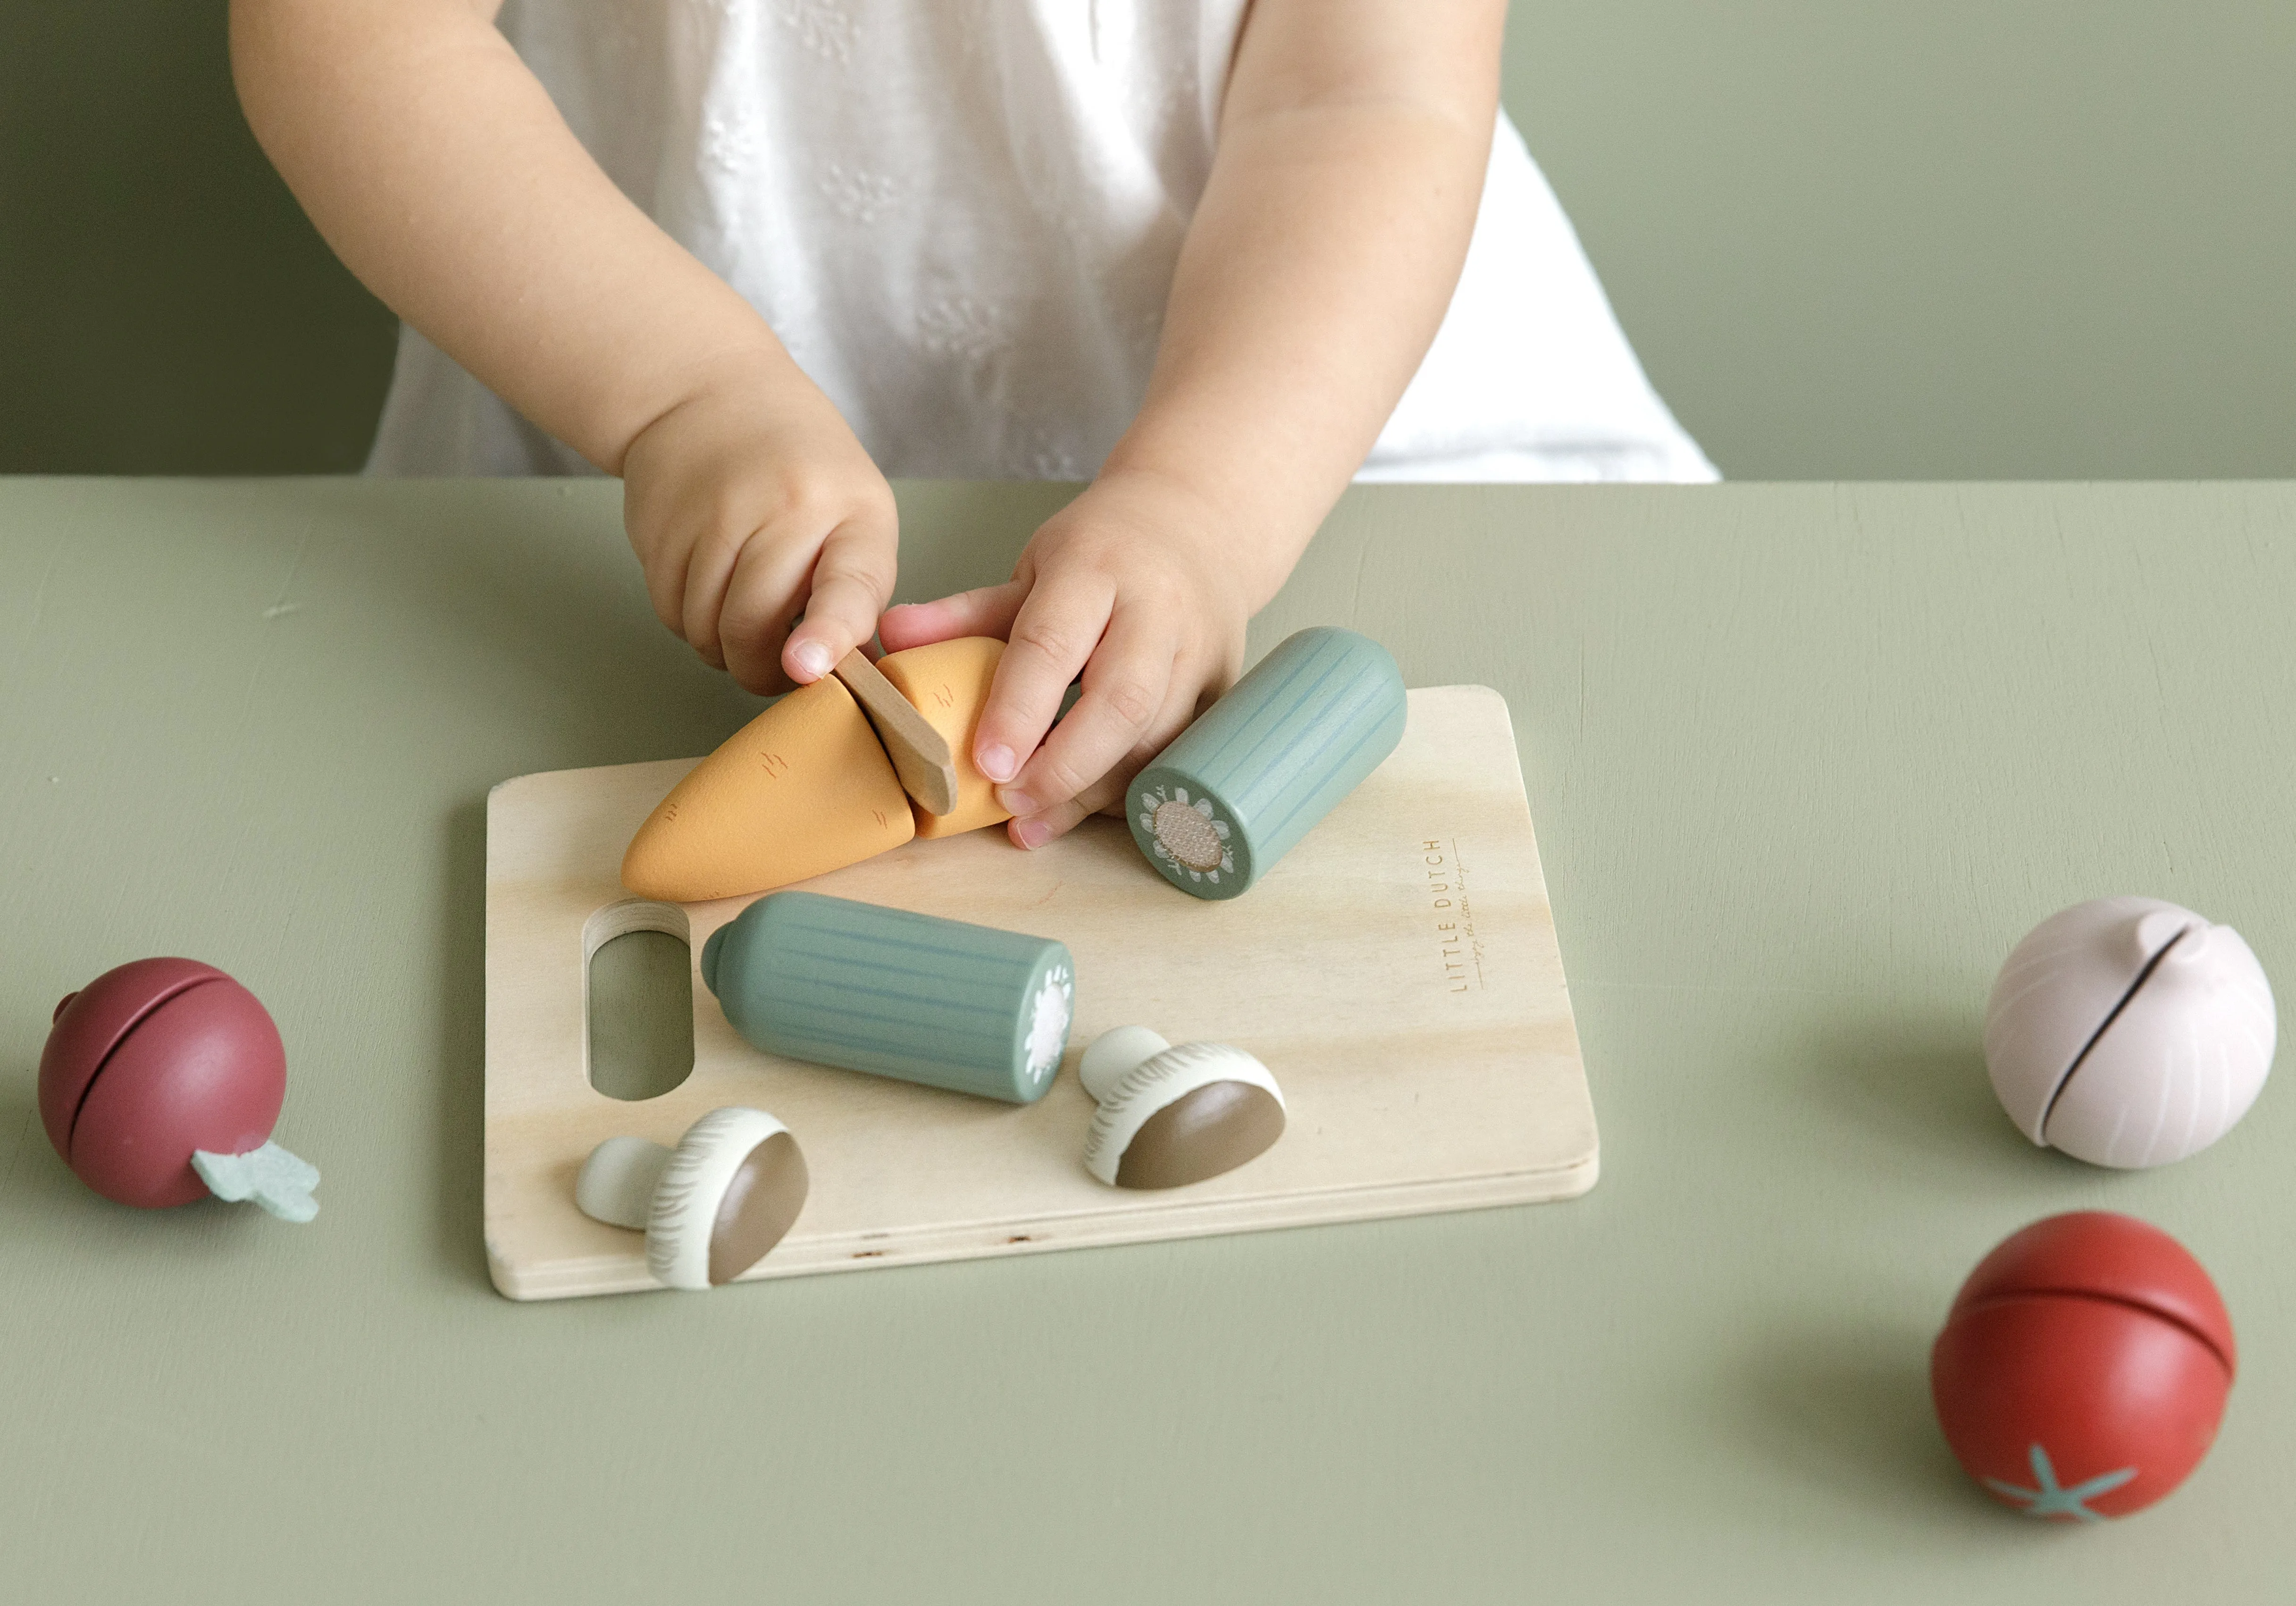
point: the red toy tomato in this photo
(2083, 1369)
(160, 1082)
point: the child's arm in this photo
(1319, 263)
(435, 164)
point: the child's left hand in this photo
(1140, 584)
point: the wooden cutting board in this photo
(1398, 972)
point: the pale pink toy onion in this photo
(2129, 1032)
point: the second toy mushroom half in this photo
(1171, 1115)
(711, 1208)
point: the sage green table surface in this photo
(1804, 760)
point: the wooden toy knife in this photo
(920, 753)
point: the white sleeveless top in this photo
(961, 217)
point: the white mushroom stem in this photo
(618, 1182)
(1112, 1056)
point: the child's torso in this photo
(961, 218)
(961, 215)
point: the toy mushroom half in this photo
(711, 1208)
(1172, 1116)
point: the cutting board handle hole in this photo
(637, 998)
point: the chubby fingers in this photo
(851, 579)
(705, 583)
(1057, 628)
(761, 596)
(1126, 686)
(735, 585)
(988, 612)
(1035, 830)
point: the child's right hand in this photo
(750, 502)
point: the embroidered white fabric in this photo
(961, 217)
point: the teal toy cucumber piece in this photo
(927, 1000)
(1238, 789)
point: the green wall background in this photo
(1969, 239)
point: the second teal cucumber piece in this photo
(1237, 790)
(914, 997)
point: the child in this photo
(752, 256)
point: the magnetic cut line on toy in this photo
(2049, 1106)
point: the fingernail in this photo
(1016, 802)
(813, 658)
(1032, 833)
(997, 763)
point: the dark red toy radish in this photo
(159, 1085)
(2084, 1368)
